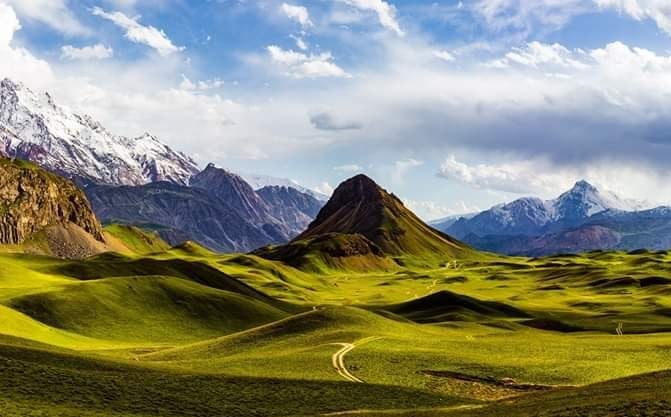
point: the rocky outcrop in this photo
(32, 200)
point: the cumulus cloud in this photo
(386, 12)
(518, 177)
(326, 121)
(54, 13)
(86, 53)
(298, 13)
(15, 62)
(138, 33)
(300, 65)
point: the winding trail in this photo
(338, 358)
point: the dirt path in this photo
(338, 358)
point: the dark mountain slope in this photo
(360, 206)
(235, 191)
(293, 208)
(179, 213)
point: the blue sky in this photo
(452, 105)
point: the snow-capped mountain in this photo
(585, 200)
(34, 127)
(581, 219)
(261, 181)
(532, 216)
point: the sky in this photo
(452, 105)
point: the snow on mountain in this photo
(260, 181)
(34, 127)
(585, 200)
(531, 216)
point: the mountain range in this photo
(581, 219)
(141, 181)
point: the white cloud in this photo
(137, 33)
(300, 65)
(298, 13)
(518, 177)
(300, 43)
(657, 10)
(431, 210)
(9, 24)
(444, 55)
(386, 12)
(349, 168)
(15, 62)
(536, 54)
(402, 167)
(524, 15)
(201, 85)
(54, 13)
(325, 188)
(87, 53)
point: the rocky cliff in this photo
(32, 200)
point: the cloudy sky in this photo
(453, 105)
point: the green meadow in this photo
(159, 331)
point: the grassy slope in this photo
(190, 301)
(94, 387)
(138, 241)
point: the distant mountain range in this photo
(581, 219)
(262, 181)
(220, 210)
(144, 182)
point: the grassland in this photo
(186, 332)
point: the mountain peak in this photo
(78, 146)
(9, 84)
(583, 186)
(359, 187)
(236, 192)
(360, 206)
